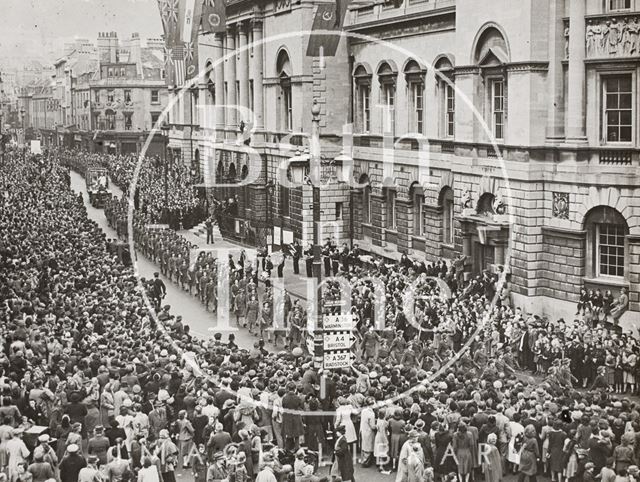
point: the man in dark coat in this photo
(72, 464)
(292, 426)
(342, 454)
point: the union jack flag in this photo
(188, 51)
(170, 10)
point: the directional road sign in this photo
(338, 341)
(335, 360)
(337, 322)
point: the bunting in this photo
(214, 16)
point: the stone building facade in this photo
(515, 140)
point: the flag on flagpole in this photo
(191, 45)
(188, 20)
(326, 19)
(178, 65)
(214, 16)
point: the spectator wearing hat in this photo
(167, 452)
(292, 427)
(45, 451)
(99, 445)
(71, 464)
(342, 457)
(185, 431)
(90, 473)
(381, 442)
(217, 471)
(157, 420)
(367, 432)
(39, 469)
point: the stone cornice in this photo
(564, 232)
(530, 66)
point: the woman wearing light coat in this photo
(343, 417)
(367, 433)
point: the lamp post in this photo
(314, 179)
(165, 132)
(270, 187)
(24, 135)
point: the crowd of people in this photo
(166, 197)
(97, 385)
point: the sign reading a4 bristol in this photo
(338, 339)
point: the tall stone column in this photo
(257, 73)
(231, 116)
(575, 130)
(243, 69)
(555, 76)
(218, 62)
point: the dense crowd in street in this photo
(97, 387)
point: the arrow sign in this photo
(337, 322)
(339, 341)
(335, 360)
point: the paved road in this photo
(202, 322)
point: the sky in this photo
(30, 27)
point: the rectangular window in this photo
(450, 110)
(251, 96)
(610, 250)
(127, 96)
(111, 122)
(110, 72)
(364, 107)
(618, 108)
(391, 209)
(617, 5)
(155, 97)
(154, 118)
(388, 101)
(416, 98)
(287, 108)
(497, 108)
(111, 95)
(122, 72)
(338, 211)
(128, 123)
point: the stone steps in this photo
(201, 231)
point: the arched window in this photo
(491, 54)
(485, 204)
(606, 242)
(446, 96)
(387, 76)
(415, 74)
(362, 78)
(416, 194)
(285, 104)
(446, 203)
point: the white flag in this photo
(187, 27)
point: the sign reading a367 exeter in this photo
(337, 322)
